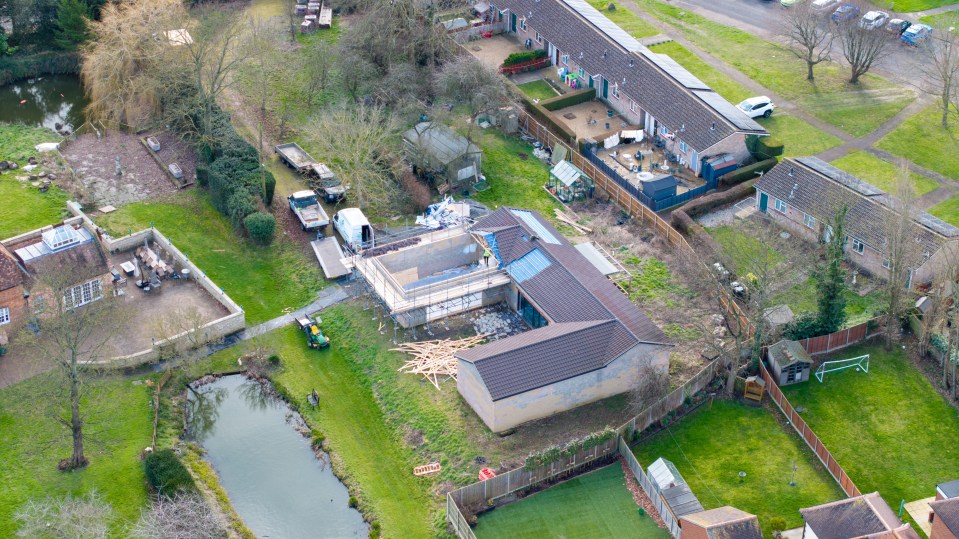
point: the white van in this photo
(354, 228)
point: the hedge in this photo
(16, 67)
(546, 118)
(166, 473)
(747, 172)
(764, 147)
(524, 56)
(704, 204)
(569, 99)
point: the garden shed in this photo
(569, 183)
(671, 486)
(789, 362)
(442, 156)
(660, 187)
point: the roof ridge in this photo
(586, 324)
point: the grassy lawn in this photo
(711, 446)
(118, 428)
(263, 280)
(924, 141)
(906, 6)
(626, 19)
(857, 109)
(880, 173)
(801, 298)
(947, 210)
(538, 89)
(593, 505)
(22, 206)
(740, 248)
(888, 428)
(799, 137)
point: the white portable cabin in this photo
(354, 228)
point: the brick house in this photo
(858, 517)
(721, 523)
(648, 89)
(804, 194)
(12, 302)
(945, 511)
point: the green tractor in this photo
(314, 336)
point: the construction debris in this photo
(436, 360)
(445, 214)
(571, 221)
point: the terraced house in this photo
(648, 89)
(804, 195)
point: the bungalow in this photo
(721, 523)
(587, 342)
(648, 89)
(804, 194)
(864, 516)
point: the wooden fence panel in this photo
(637, 470)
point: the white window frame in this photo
(886, 263)
(539, 38)
(809, 221)
(683, 147)
(858, 246)
(4, 316)
(781, 206)
(565, 59)
(663, 130)
(83, 294)
(615, 90)
(582, 73)
(632, 106)
(522, 24)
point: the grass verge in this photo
(947, 210)
(711, 446)
(537, 89)
(888, 428)
(22, 206)
(880, 173)
(924, 141)
(626, 19)
(263, 280)
(596, 504)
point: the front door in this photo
(763, 202)
(605, 88)
(512, 22)
(591, 82)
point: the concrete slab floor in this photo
(588, 120)
(492, 51)
(919, 511)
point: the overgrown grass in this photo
(888, 428)
(799, 137)
(741, 249)
(880, 173)
(857, 109)
(593, 505)
(947, 210)
(263, 280)
(22, 206)
(711, 446)
(801, 298)
(924, 141)
(119, 426)
(537, 89)
(626, 19)
(651, 281)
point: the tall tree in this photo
(808, 33)
(941, 65)
(831, 278)
(481, 89)
(901, 252)
(861, 47)
(73, 24)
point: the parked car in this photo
(873, 19)
(897, 26)
(755, 107)
(824, 5)
(354, 228)
(916, 34)
(845, 13)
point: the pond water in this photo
(44, 101)
(275, 482)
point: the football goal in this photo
(859, 362)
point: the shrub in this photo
(611, 7)
(777, 524)
(804, 326)
(269, 187)
(354, 502)
(747, 172)
(166, 473)
(375, 530)
(318, 438)
(203, 174)
(261, 226)
(524, 56)
(239, 205)
(273, 359)
(706, 203)
(568, 99)
(544, 117)
(16, 67)
(419, 192)
(766, 148)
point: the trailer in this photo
(308, 210)
(295, 157)
(330, 257)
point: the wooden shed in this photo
(442, 156)
(789, 362)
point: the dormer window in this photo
(60, 238)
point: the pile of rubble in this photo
(498, 324)
(445, 214)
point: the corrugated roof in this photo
(681, 500)
(440, 142)
(528, 266)
(597, 259)
(537, 227)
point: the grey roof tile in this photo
(859, 516)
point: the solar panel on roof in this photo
(675, 70)
(528, 266)
(608, 27)
(840, 176)
(537, 227)
(728, 111)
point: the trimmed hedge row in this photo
(166, 474)
(747, 172)
(16, 67)
(569, 99)
(704, 204)
(764, 147)
(546, 118)
(524, 56)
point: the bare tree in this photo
(940, 299)
(481, 89)
(356, 72)
(318, 66)
(72, 336)
(901, 252)
(185, 515)
(360, 144)
(652, 384)
(942, 65)
(861, 47)
(87, 517)
(809, 34)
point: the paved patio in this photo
(590, 120)
(919, 511)
(492, 51)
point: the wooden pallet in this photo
(427, 469)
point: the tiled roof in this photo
(727, 523)
(785, 353)
(83, 262)
(675, 105)
(809, 185)
(861, 516)
(592, 321)
(10, 274)
(948, 512)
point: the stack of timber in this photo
(436, 360)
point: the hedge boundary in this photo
(568, 99)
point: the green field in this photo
(626, 19)
(906, 6)
(537, 89)
(119, 425)
(712, 445)
(22, 206)
(924, 141)
(263, 280)
(596, 504)
(947, 210)
(888, 428)
(857, 109)
(882, 174)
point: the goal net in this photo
(859, 363)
